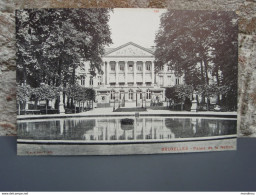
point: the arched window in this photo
(148, 96)
(82, 80)
(130, 94)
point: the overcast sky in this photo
(136, 25)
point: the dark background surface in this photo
(211, 171)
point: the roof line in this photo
(129, 43)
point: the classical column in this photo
(152, 73)
(117, 71)
(125, 72)
(134, 72)
(143, 71)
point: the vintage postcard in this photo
(126, 81)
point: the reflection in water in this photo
(113, 129)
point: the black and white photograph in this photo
(125, 81)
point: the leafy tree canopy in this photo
(201, 45)
(51, 42)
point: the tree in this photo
(179, 93)
(23, 95)
(79, 95)
(193, 43)
(212, 90)
(45, 92)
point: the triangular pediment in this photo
(130, 49)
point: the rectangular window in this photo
(91, 81)
(148, 67)
(148, 83)
(130, 67)
(139, 67)
(121, 67)
(112, 84)
(121, 84)
(99, 80)
(148, 94)
(139, 84)
(112, 67)
(130, 95)
(130, 84)
(82, 80)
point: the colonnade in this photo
(135, 71)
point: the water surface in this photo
(117, 129)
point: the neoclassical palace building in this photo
(129, 78)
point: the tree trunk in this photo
(64, 99)
(59, 82)
(72, 102)
(68, 102)
(202, 71)
(206, 71)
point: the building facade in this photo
(129, 78)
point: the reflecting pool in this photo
(125, 129)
